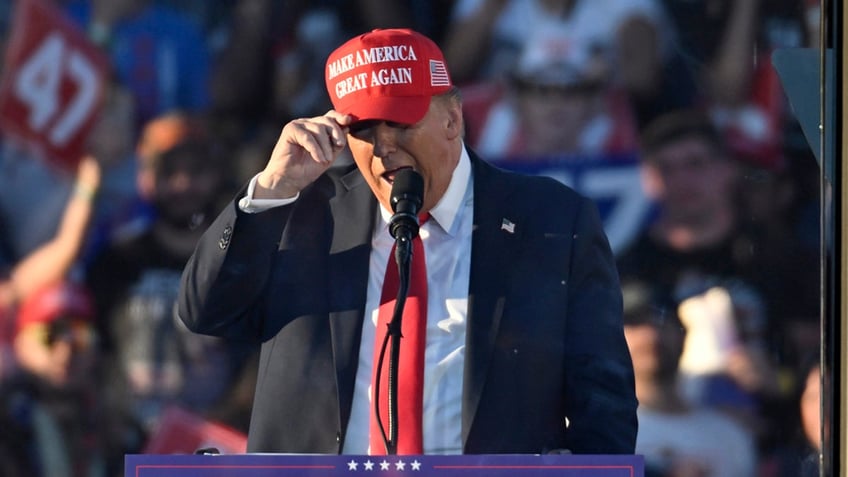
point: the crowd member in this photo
(701, 250)
(676, 437)
(155, 361)
(727, 47)
(519, 275)
(560, 114)
(560, 102)
(157, 53)
(811, 401)
(52, 261)
(48, 184)
(801, 455)
(27, 178)
(112, 141)
(56, 420)
(718, 38)
(485, 38)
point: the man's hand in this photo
(89, 172)
(305, 149)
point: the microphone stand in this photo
(403, 257)
(406, 198)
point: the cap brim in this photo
(398, 109)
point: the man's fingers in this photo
(305, 148)
(321, 137)
(340, 124)
(341, 119)
(88, 171)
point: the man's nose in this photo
(385, 140)
(180, 180)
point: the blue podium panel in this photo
(283, 465)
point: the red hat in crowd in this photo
(389, 75)
(62, 300)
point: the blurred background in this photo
(127, 125)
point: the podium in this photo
(286, 465)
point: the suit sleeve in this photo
(223, 283)
(601, 407)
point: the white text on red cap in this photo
(379, 77)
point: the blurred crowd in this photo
(668, 112)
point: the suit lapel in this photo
(490, 249)
(352, 211)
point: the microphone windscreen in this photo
(407, 186)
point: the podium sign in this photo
(284, 465)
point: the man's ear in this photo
(454, 121)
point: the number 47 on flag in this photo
(53, 82)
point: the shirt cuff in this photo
(250, 205)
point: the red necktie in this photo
(411, 361)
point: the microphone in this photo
(406, 198)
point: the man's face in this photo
(62, 353)
(555, 117)
(431, 147)
(691, 179)
(811, 407)
(186, 184)
(655, 348)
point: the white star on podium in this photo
(384, 465)
(368, 465)
(399, 465)
(352, 465)
(416, 465)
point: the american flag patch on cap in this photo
(438, 74)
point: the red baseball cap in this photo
(386, 74)
(62, 299)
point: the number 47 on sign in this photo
(53, 83)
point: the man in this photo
(676, 437)
(57, 419)
(559, 104)
(702, 249)
(525, 347)
(153, 361)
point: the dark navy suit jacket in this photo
(547, 366)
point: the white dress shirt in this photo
(447, 250)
